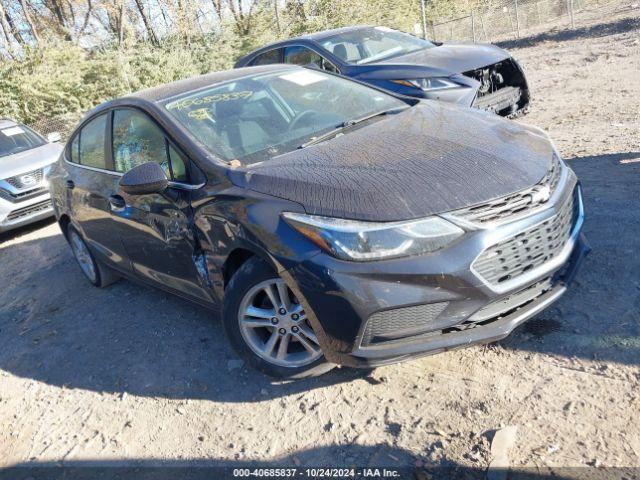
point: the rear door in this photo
(156, 229)
(90, 182)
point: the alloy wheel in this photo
(83, 256)
(275, 326)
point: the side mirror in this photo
(54, 137)
(144, 179)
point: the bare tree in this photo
(217, 7)
(6, 30)
(242, 12)
(153, 38)
(61, 20)
(10, 23)
(27, 18)
(277, 16)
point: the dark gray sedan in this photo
(481, 76)
(329, 222)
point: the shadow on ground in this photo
(57, 329)
(364, 460)
(11, 234)
(599, 317)
(600, 30)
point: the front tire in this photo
(98, 274)
(268, 327)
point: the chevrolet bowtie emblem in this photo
(540, 194)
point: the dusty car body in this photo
(410, 230)
(475, 75)
(25, 158)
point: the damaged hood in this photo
(455, 58)
(429, 159)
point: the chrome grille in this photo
(531, 248)
(21, 181)
(30, 210)
(517, 204)
(24, 195)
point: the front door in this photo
(156, 229)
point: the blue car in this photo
(474, 75)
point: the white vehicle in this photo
(25, 158)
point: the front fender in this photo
(239, 218)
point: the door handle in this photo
(117, 203)
(70, 184)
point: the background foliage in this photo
(65, 57)
(60, 58)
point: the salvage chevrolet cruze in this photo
(330, 222)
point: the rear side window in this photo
(74, 149)
(137, 140)
(92, 143)
(306, 57)
(268, 58)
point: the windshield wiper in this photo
(348, 124)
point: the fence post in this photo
(423, 13)
(517, 21)
(570, 8)
(473, 26)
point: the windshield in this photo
(18, 138)
(256, 118)
(371, 44)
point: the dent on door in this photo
(159, 239)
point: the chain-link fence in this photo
(62, 124)
(510, 18)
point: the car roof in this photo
(314, 37)
(317, 36)
(169, 90)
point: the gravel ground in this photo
(132, 376)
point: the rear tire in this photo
(98, 274)
(268, 327)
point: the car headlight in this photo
(429, 84)
(362, 241)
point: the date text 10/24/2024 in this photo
(316, 473)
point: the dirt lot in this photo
(128, 374)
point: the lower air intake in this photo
(401, 322)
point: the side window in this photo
(137, 140)
(92, 138)
(308, 58)
(74, 155)
(178, 165)
(268, 58)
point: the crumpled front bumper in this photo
(344, 297)
(491, 332)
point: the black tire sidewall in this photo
(252, 272)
